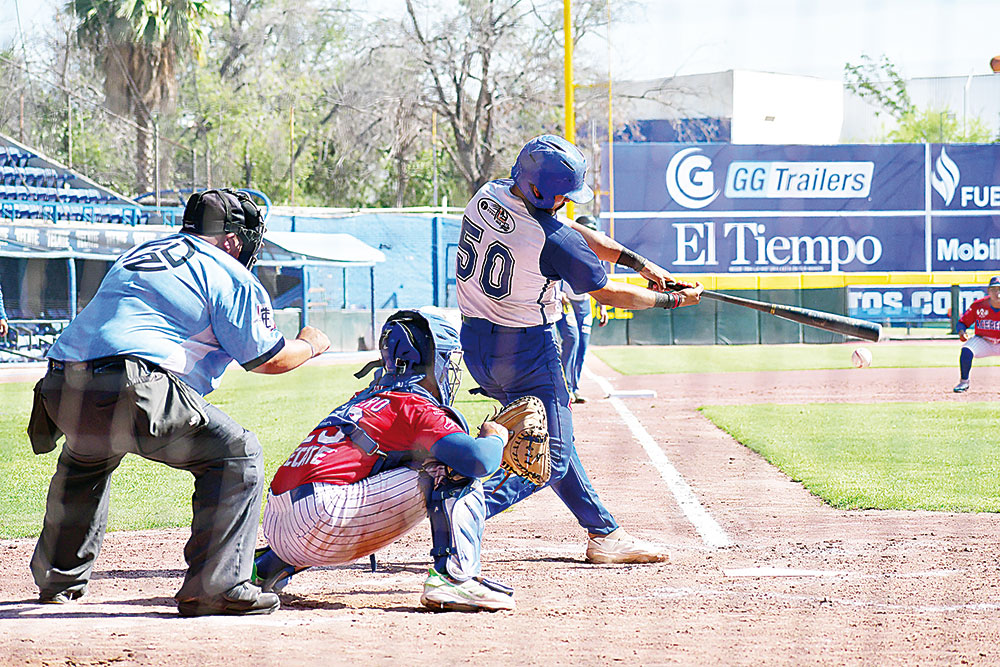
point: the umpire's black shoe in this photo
(242, 600)
(60, 597)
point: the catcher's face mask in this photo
(447, 356)
(452, 364)
(227, 211)
(415, 344)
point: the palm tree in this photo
(139, 45)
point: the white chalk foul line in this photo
(710, 531)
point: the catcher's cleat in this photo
(270, 572)
(577, 398)
(961, 386)
(620, 547)
(443, 594)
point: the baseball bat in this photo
(848, 326)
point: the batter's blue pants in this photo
(509, 363)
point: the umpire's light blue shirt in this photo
(181, 303)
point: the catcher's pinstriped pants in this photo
(508, 363)
(104, 407)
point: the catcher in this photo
(377, 465)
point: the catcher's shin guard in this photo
(457, 510)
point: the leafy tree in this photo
(140, 45)
(933, 126)
(492, 70)
(878, 82)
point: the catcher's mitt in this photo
(526, 453)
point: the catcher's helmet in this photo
(415, 344)
(588, 221)
(213, 212)
(553, 166)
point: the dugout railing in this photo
(30, 339)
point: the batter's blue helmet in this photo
(555, 167)
(418, 343)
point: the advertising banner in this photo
(965, 243)
(719, 208)
(965, 178)
(723, 177)
(105, 241)
(922, 303)
(766, 245)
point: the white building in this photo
(964, 97)
(746, 107)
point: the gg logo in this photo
(690, 181)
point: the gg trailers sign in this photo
(721, 208)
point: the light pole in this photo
(568, 82)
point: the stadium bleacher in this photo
(37, 192)
(31, 189)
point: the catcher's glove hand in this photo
(526, 453)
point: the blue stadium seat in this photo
(20, 158)
(35, 176)
(26, 210)
(42, 194)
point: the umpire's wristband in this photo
(631, 260)
(667, 300)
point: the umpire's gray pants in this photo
(109, 408)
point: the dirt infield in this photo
(801, 583)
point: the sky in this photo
(658, 38)
(922, 38)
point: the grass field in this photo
(902, 456)
(936, 456)
(280, 409)
(885, 456)
(642, 360)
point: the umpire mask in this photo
(215, 212)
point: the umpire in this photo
(127, 376)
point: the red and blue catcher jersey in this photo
(985, 317)
(398, 421)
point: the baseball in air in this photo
(862, 357)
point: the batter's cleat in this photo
(242, 600)
(963, 385)
(443, 594)
(620, 547)
(577, 398)
(270, 572)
